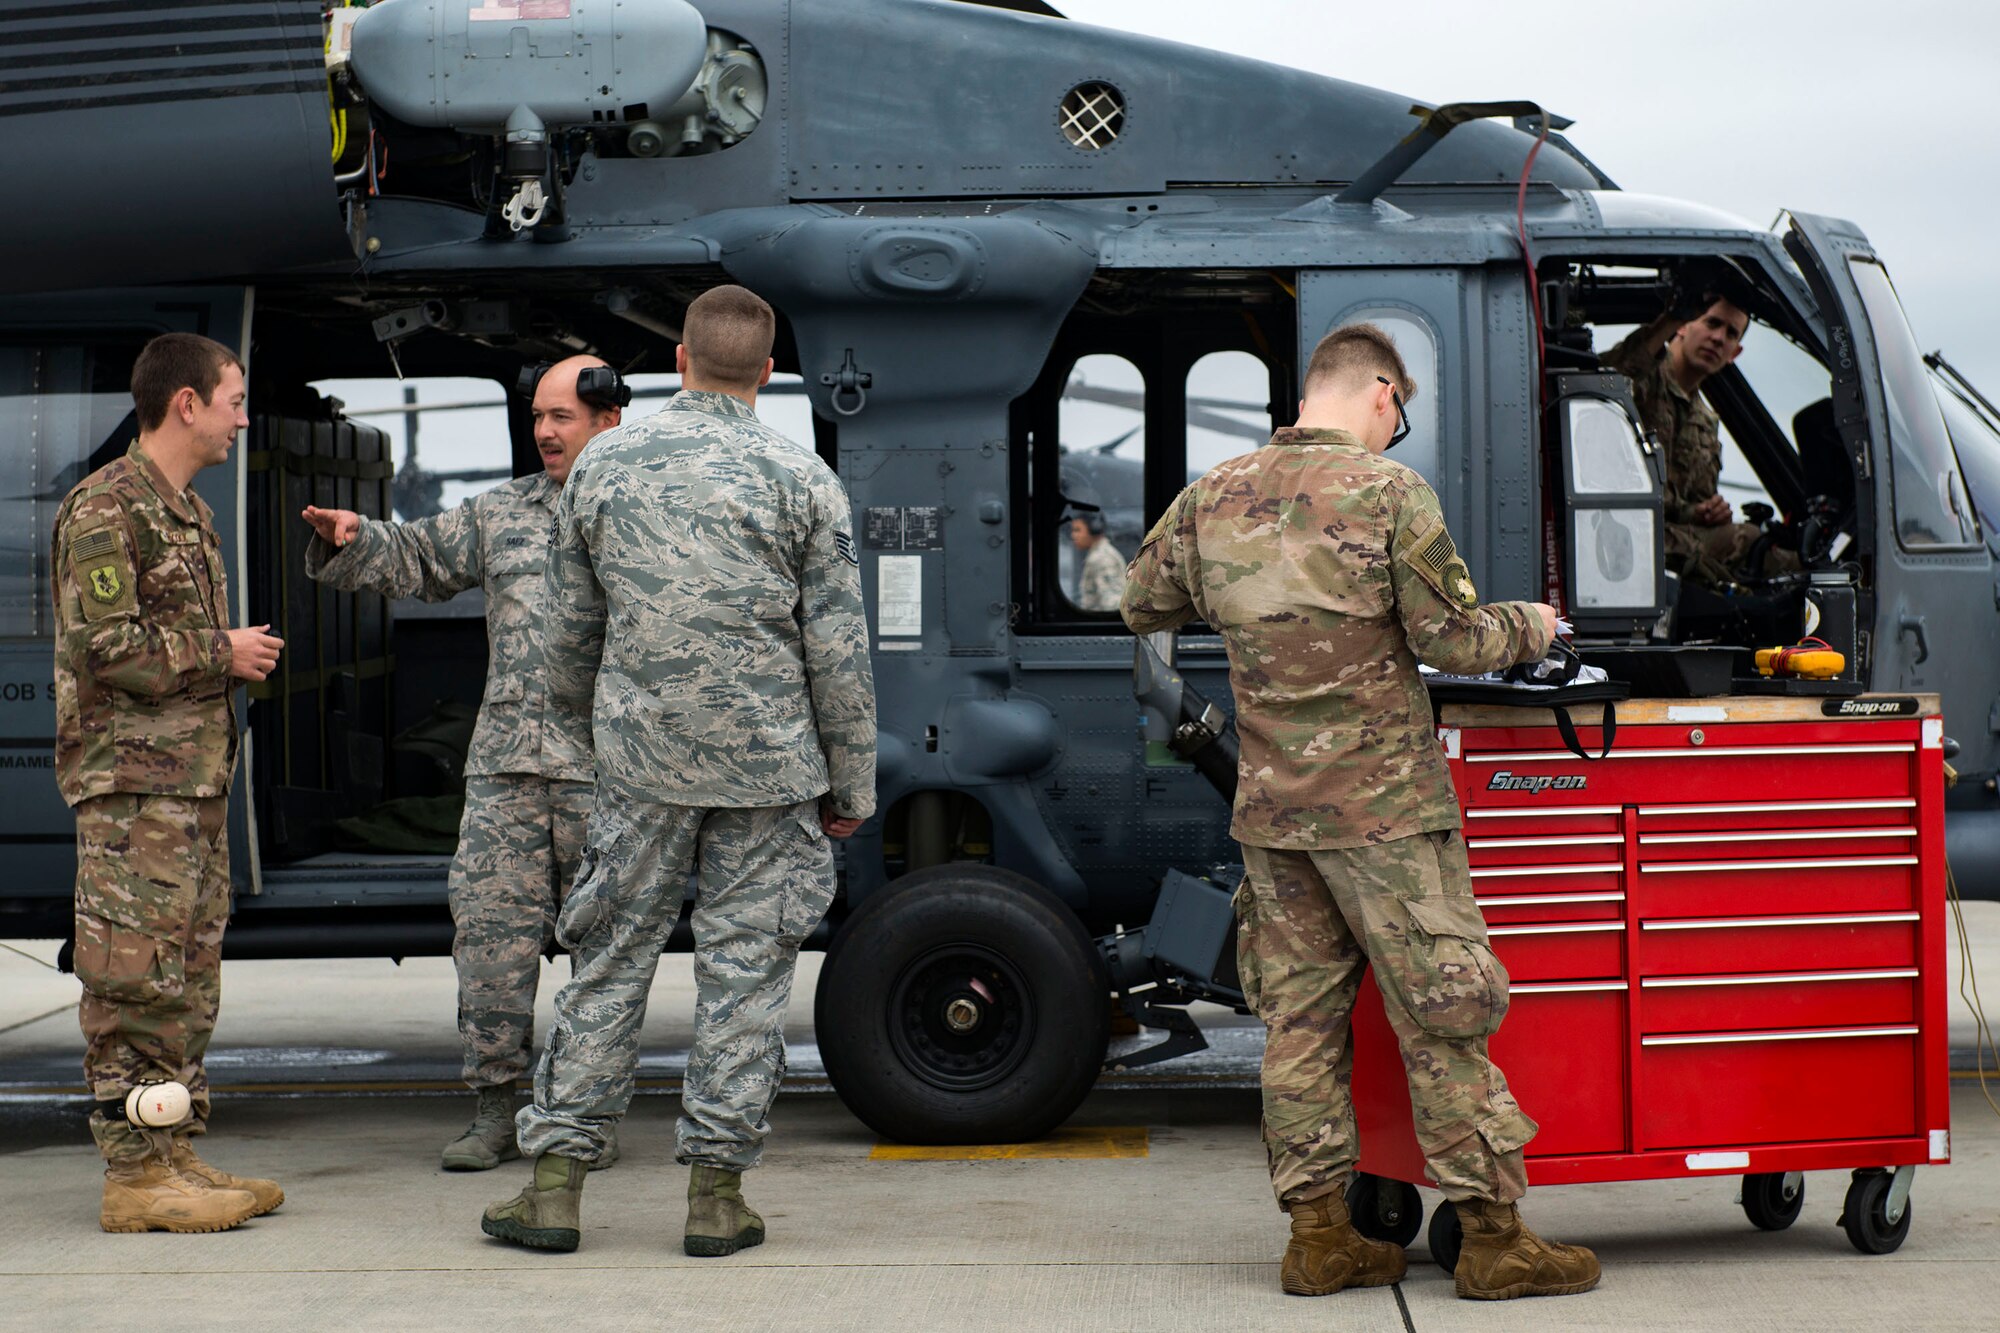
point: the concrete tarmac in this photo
(331, 1078)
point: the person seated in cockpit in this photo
(1667, 361)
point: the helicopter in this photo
(455, 188)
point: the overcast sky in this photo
(1882, 113)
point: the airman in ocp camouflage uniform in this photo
(146, 745)
(527, 790)
(1329, 573)
(1667, 362)
(706, 618)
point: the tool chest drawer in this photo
(1787, 816)
(1535, 820)
(1701, 1090)
(1537, 846)
(1831, 942)
(1560, 951)
(1607, 904)
(1813, 885)
(1750, 1001)
(1579, 1103)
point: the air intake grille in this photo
(1093, 115)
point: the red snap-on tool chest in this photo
(1727, 944)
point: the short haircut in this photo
(728, 335)
(1348, 359)
(172, 362)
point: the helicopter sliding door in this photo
(1472, 431)
(65, 411)
(1934, 577)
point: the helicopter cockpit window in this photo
(65, 410)
(1975, 435)
(1102, 477)
(1932, 508)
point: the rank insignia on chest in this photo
(105, 584)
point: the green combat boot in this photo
(1327, 1254)
(1501, 1259)
(719, 1222)
(489, 1140)
(546, 1215)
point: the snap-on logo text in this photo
(1505, 781)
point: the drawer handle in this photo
(1777, 978)
(1498, 872)
(1583, 928)
(1824, 863)
(1754, 807)
(1714, 751)
(1771, 835)
(1546, 812)
(1557, 840)
(1723, 923)
(1542, 899)
(1564, 987)
(1735, 1038)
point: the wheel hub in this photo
(961, 1017)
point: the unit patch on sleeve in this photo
(1437, 560)
(102, 571)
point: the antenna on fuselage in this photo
(1433, 123)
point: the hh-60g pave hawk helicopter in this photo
(951, 206)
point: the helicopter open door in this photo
(1934, 598)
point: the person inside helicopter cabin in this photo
(1101, 586)
(1668, 361)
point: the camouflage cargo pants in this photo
(1310, 922)
(517, 850)
(764, 878)
(152, 899)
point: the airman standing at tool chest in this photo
(146, 746)
(527, 789)
(1329, 573)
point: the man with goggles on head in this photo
(528, 790)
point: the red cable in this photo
(1781, 664)
(1521, 230)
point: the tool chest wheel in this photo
(1446, 1236)
(1772, 1200)
(1390, 1210)
(1865, 1217)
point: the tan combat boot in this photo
(1501, 1259)
(1327, 1254)
(489, 1139)
(719, 1222)
(548, 1214)
(185, 1160)
(149, 1195)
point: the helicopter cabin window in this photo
(1974, 424)
(1932, 508)
(65, 411)
(1102, 434)
(1228, 409)
(1418, 347)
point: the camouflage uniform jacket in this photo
(1687, 427)
(498, 540)
(142, 651)
(1328, 572)
(706, 615)
(1103, 582)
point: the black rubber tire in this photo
(951, 941)
(1865, 1215)
(1765, 1203)
(1390, 1210)
(1447, 1236)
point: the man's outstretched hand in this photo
(1712, 512)
(337, 527)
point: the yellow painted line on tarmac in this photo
(1071, 1143)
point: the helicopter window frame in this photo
(30, 618)
(1426, 410)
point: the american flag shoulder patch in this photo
(1437, 554)
(94, 545)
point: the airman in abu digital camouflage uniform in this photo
(1329, 573)
(1667, 361)
(706, 617)
(527, 797)
(146, 746)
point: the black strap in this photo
(1568, 729)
